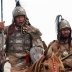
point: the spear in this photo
(2, 18)
(66, 57)
(2, 31)
(1, 10)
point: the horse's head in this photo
(52, 64)
(45, 64)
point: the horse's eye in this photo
(46, 66)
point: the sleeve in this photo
(37, 42)
(36, 35)
(37, 50)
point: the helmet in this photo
(64, 23)
(18, 10)
(60, 24)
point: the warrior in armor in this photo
(62, 47)
(23, 41)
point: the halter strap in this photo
(54, 65)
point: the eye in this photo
(46, 66)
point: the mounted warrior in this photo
(23, 41)
(62, 47)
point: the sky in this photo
(41, 14)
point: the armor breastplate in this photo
(19, 42)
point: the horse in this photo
(47, 64)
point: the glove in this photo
(2, 25)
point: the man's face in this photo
(20, 20)
(65, 32)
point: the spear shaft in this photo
(1, 10)
(2, 31)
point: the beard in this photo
(64, 37)
(20, 24)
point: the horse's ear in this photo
(44, 45)
(47, 48)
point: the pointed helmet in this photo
(64, 24)
(18, 10)
(61, 23)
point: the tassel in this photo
(27, 58)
